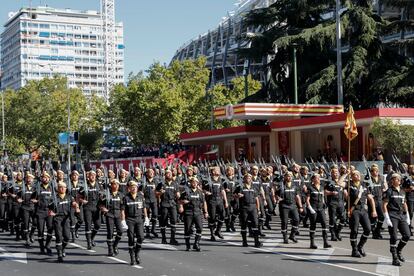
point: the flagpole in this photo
(349, 176)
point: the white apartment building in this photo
(41, 42)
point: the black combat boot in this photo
(173, 241)
(93, 243)
(267, 222)
(244, 238)
(153, 225)
(47, 245)
(131, 256)
(355, 252)
(218, 230)
(26, 238)
(163, 239)
(72, 235)
(376, 233)
(400, 247)
(285, 236)
(147, 232)
(325, 239)
(42, 246)
(257, 242)
(333, 234)
(88, 241)
(77, 226)
(31, 235)
(292, 236)
(338, 230)
(137, 258)
(232, 220)
(110, 248)
(59, 253)
(395, 259)
(361, 244)
(196, 245)
(212, 238)
(312, 240)
(187, 244)
(64, 244)
(116, 242)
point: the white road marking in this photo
(15, 257)
(160, 246)
(385, 267)
(322, 254)
(124, 262)
(81, 247)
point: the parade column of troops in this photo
(41, 200)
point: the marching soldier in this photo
(257, 184)
(192, 205)
(60, 210)
(316, 204)
(42, 199)
(132, 211)
(306, 182)
(25, 198)
(249, 207)
(379, 186)
(149, 190)
(4, 186)
(409, 192)
(15, 205)
(76, 218)
(269, 194)
(335, 194)
(110, 206)
(288, 196)
(168, 193)
(89, 197)
(232, 209)
(123, 181)
(216, 202)
(359, 194)
(397, 218)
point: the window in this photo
(44, 26)
(54, 26)
(54, 51)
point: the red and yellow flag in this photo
(350, 128)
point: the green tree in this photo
(394, 136)
(371, 68)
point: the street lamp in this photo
(295, 73)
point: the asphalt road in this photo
(224, 257)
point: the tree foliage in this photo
(394, 136)
(36, 113)
(171, 100)
(374, 71)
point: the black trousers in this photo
(26, 215)
(76, 219)
(288, 212)
(195, 219)
(248, 214)
(216, 213)
(153, 208)
(359, 216)
(320, 217)
(335, 212)
(42, 218)
(135, 230)
(410, 205)
(61, 224)
(398, 224)
(92, 216)
(168, 213)
(380, 215)
(111, 223)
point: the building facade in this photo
(42, 42)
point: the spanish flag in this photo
(350, 128)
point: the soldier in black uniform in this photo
(232, 210)
(379, 186)
(4, 186)
(335, 194)
(249, 207)
(15, 205)
(76, 218)
(123, 181)
(269, 194)
(132, 211)
(25, 198)
(59, 210)
(315, 201)
(110, 206)
(42, 199)
(89, 197)
(397, 218)
(168, 194)
(304, 173)
(151, 201)
(408, 186)
(359, 194)
(193, 205)
(288, 196)
(216, 202)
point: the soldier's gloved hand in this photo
(311, 210)
(147, 221)
(408, 219)
(387, 219)
(124, 225)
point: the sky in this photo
(153, 30)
